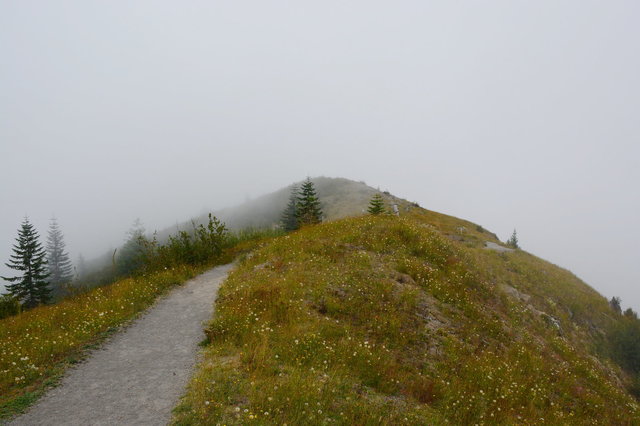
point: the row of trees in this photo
(39, 270)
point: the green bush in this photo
(203, 244)
(8, 306)
(624, 343)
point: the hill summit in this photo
(339, 198)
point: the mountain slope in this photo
(409, 320)
(339, 197)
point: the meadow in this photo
(386, 320)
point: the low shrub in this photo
(9, 306)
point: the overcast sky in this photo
(508, 113)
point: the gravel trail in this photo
(138, 375)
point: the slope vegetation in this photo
(339, 198)
(409, 320)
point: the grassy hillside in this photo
(410, 320)
(37, 345)
(339, 198)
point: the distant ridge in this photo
(339, 198)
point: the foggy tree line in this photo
(39, 270)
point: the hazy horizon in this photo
(510, 115)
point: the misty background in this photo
(506, 113)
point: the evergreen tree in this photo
(615, 305)
(81, 270)
(130, 256)
(31, 287)
(376, 205)
(309, 211)
(289, 215)
(513, 241)
(60, 269)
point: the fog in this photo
(509, 114)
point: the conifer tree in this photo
(615, 305)
(58, 263)
(130, 256)
(290, 213)
(30, 287)
(309, 211)
(81, 270)
(376, 205)
(513, 241)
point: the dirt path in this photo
(137, 376)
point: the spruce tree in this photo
(376, 205)
(30, 287)
(60, 269)
(289, 215)
(513, 241)
(309, 211)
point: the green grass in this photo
(385, 320)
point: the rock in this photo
(493, 246)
